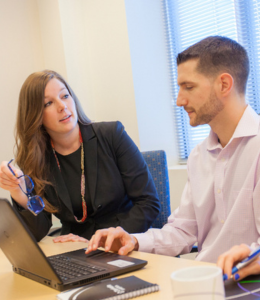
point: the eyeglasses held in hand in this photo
(35, 204)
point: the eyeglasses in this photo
(35, 204)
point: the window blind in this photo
(248, 28)
(187, 22)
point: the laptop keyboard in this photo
(69, 268)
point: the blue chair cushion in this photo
(157, 164)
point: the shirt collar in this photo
(212, 141)
(248, 125)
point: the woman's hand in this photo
(69, 238)
(11, 183)
(229, 259)
(7, 180)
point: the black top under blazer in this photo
(121, 189)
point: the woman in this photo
(90, 175)
(227, 260)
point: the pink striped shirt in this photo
(220, 205)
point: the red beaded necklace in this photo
(84, 206)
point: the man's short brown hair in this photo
(216, 55)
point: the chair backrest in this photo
(157, 164)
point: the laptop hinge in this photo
(42, 280)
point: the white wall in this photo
(21, 53)
(110, 64)
(151, 75)
(112, 53)
(51, 36)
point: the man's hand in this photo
(114, 239)
(227, 260)
(69, 238)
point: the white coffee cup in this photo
(198, 283)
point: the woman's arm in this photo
(38, 225)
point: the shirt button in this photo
(222, 221)
(219, 191)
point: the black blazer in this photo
(121, 188)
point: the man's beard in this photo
(208, 111)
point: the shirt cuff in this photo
(145, 241)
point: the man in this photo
(220, 203)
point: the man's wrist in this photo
(136, 247)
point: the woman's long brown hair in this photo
(31, 138)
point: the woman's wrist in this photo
(20, 198)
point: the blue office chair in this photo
(157, 164)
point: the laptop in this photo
(61, 272)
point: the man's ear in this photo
(225, 83)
